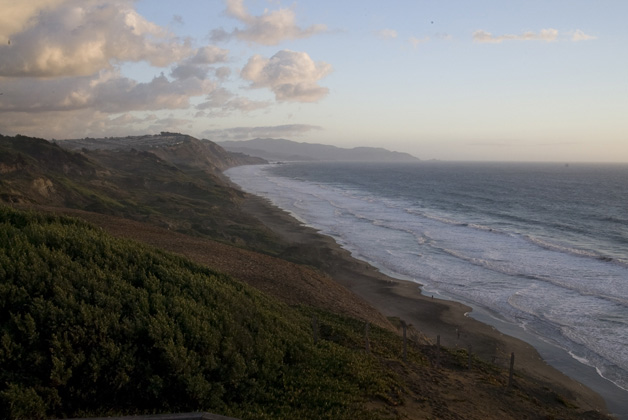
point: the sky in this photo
(483, 80)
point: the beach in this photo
(431, 316)
(331, 278)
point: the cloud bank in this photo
(61, 68)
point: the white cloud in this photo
(247, 133)
(579, 35)
(547, 35)
(82, 37)
(387, 34)
(291, 75)
(268, 29)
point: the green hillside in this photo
(135, 184)
(94, 325)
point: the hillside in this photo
(175, 148)
(170, 181)
(287, 150)
(84, 313)
(94, 325)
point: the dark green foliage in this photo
(92, 325)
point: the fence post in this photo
(366, 337)
(512, 368)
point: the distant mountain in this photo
(288, 150)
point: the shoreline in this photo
(433, 317)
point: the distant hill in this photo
(288, 150)
(176, 148)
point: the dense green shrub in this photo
(93, 325)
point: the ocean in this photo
(540, 247)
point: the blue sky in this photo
(451, 80)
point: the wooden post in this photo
(315, 329)
(512, 368)
(438, 350)
(366, 337)
(405, 341)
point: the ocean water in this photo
(540, 246)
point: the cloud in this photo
(80, 38)
(198, 65)
(63, 124)
(578, 35)
(209, 54)
(61, 70)
(16, 16)
(62, 63)
(387, 34)
(415, 42)
(107, 92)
(223, 101)
(268, 29)
(547, 35)
(291, 75)
(246, 133)
(222, 73)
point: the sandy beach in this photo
(403, 299)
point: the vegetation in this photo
(94, 325)
(134, 184)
